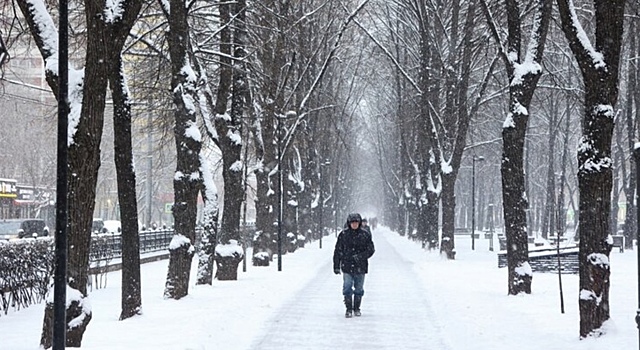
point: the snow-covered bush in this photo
(26, 268)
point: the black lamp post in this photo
(636, 155)
(473, 199)
(150, 167)
(60, 274)
(491, 227)
(279, 136)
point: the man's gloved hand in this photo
(336, 271)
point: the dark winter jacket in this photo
(353, 249)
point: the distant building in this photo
(8, 193)
(23, 201)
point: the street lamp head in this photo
(478, 158)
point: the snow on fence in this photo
(26, 265)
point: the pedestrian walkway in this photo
(395, 311)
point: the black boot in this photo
(349, 304)
(357, 299)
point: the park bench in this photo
(546, 260)
(618, 242)
(463, 231)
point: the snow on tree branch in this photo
(47, 33)
(578, 39)
(75, 96)
(533, 54)
(598, 59)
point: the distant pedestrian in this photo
(374, 223)
(353, 249)
(365, 225)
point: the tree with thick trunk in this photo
(600, 69)
(229, 253)
(188, 178)
(523, 74)
(106, 34)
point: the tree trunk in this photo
(290, 201)
(84, 161)
(311, 198)
(599, 68)
(595, 206)
(206, 255)
(617, 185)
(210, 226)
(448, 245)
(432, 213)
(187, 179)
(84, 153)
(515, 205)
(227, 255)
(131, 289)
(270, 96)
(458, 109)
(209, 240)
(180, 256)
(522, 84)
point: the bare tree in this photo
(105, 34)
(443, 44)
(214, 111)
(188, 177)
(228, 252)
(131, 294)
(599, 66)
(523, 74)
(298, 87)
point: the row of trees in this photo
(455, 61)
(242, 76)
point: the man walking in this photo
(353, 249)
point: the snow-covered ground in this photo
(413, 300)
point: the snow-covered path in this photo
(414, 299)
(314, 317)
